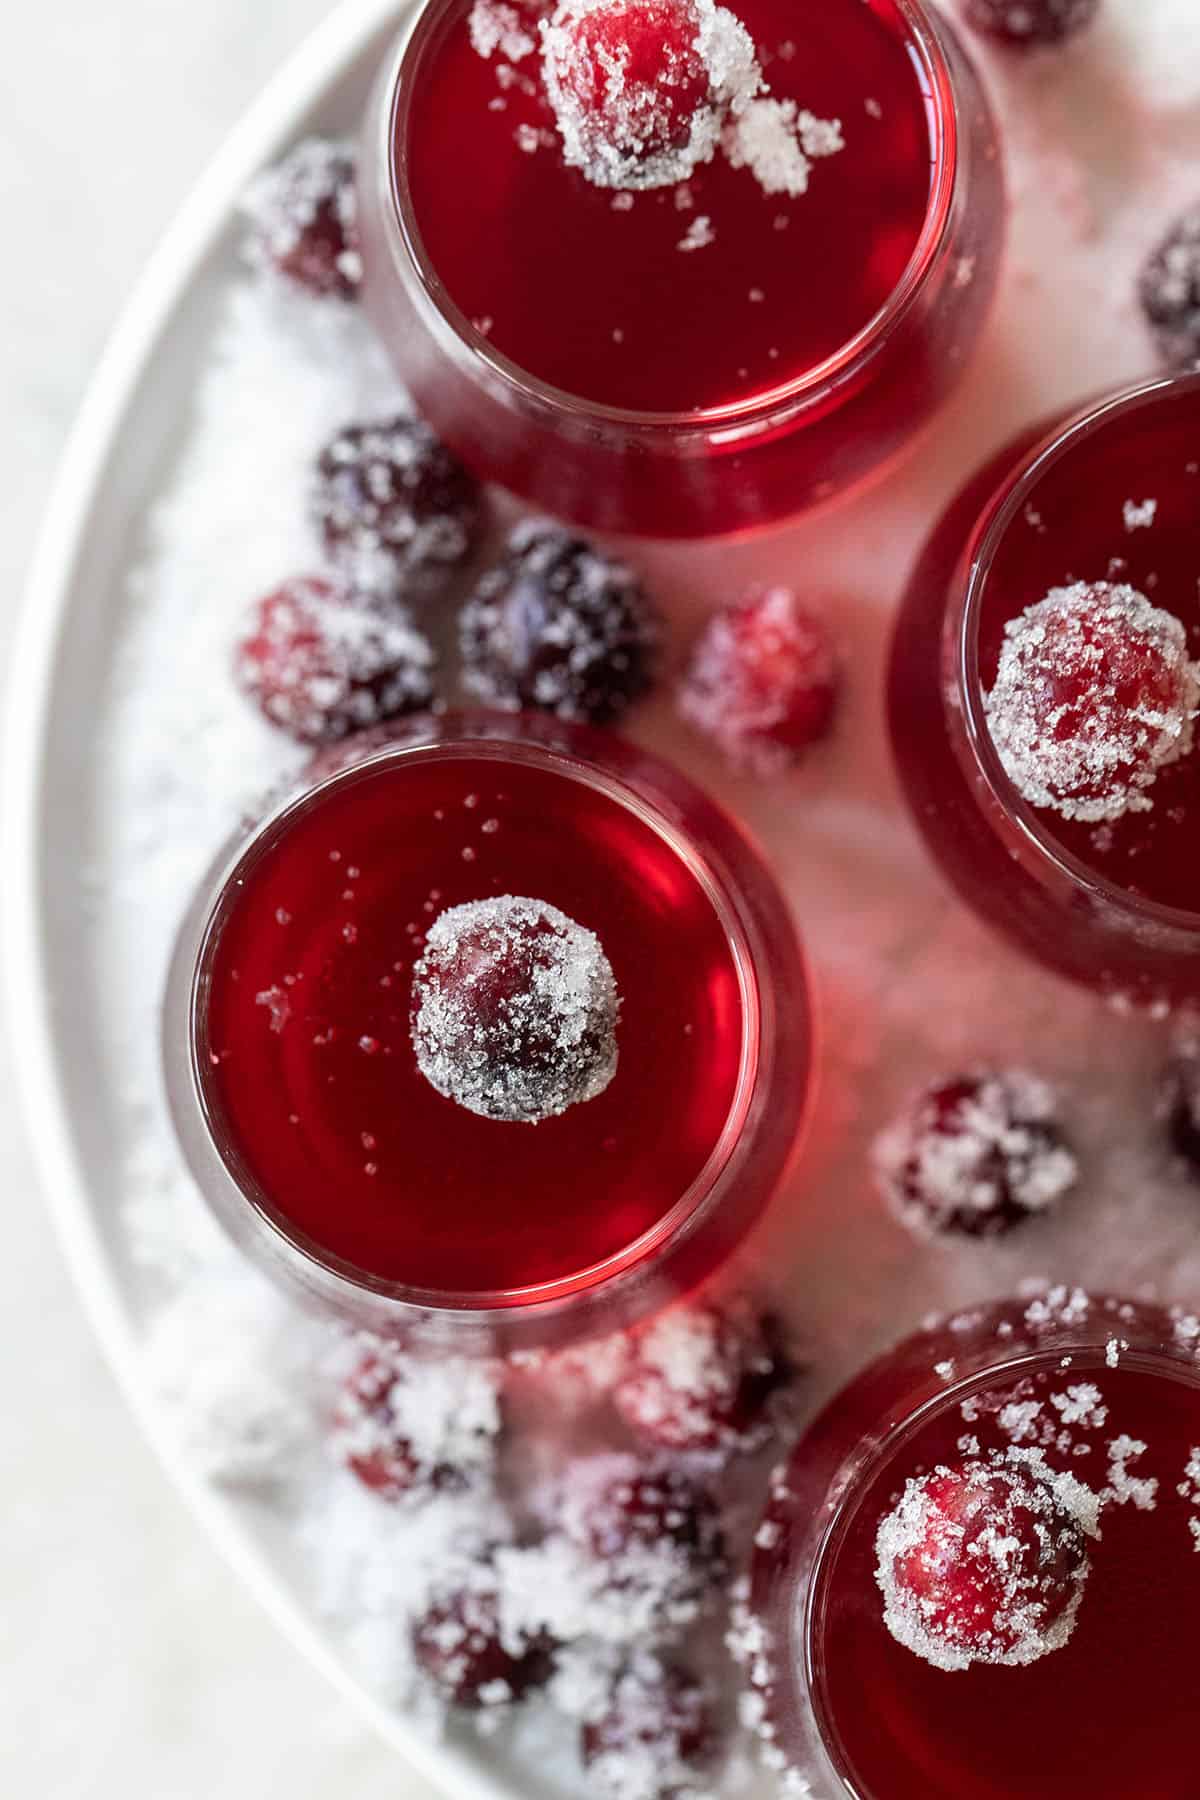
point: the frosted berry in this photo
(641, 88)
(700, 1378)
(976, 1154)
(654, 1735)
(652, 1532)
(763, 681)
(1169, 292)
(559, 627)
(514, 1010)
(303, 219)
(1030, 22)
(407, 1426)
(393, 505)
(321, 659)
(461, 1646)
(985, 1563)
(1094, 695)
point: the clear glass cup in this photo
(1000, 853)
(859, 1717)
(712, 471)
(690, 840)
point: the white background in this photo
(131, 1665)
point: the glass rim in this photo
(1154, 1344)
(476, 355)
(971, 579)
(721, 1168)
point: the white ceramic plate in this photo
(836, 837)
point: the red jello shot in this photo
(976, 1577)
(1043, 692)
(675, 268)
(498, 1023)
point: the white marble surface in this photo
(131, 1664)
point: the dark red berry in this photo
(1094, 694)
(303, 218)
(514, 1009)
(1169, 292)
(460, 1645)
(664, 114)
(559, 627)
(393, 505)
(321, 659)
(700, 1378)
(1030, 22)
(407, 1425)
(654, 1736)
(985, 1562)
(1180, 1103)
(763, 681)
(976, 1154)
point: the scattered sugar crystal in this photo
(1081, 1405)
(764, 138)
(1018, 1420)
(944, 1371)
(1139, 514)
(495, 26)
(1124, 1487)
(699, 234)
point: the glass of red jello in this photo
(1043, 691)
(340, 1100)
(977, 1577)
(702, 307)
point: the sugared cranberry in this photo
(700, 1378)
(558, 627)
(321, 660)
(985, 1563)
(393, 505)
(1029, 22)
(1094, 695)
(976, 1154)
(763, 681)
(1169, 292)
(303, 218)
(409, 1426)
(514, 1010)
(462, 1647)
(640, 88)
(654, 1736)
(654, 1531)
(1179, 1105)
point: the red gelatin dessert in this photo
(478, 1023)
(1043, 690)
(992, 1532)
(590, 237)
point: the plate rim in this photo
(47, 602)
